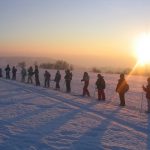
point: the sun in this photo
(142, 49)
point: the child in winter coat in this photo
(7, 69)
(1, 75)
(147, 90)
(36, 73)
(47, 78)
(100, 83)
(30, 74)
(121, 89)
(14, 71)
(86, 79)
(57, 79)
(23, 74)
(68, 78)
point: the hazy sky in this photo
(84, 32)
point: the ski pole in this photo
(94, 92)
(51, 83)
(141, 107)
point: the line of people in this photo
(7, 70)
(30, 72)
(121, 88)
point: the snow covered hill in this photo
(35, 118)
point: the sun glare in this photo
(142, 49)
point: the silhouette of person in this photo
(14, 71)
(23, 74)
(7, 69)
(36, 73)
(122, 88)
(47, 77)
(100, 83)
(147, 90)
(57, 79)
(30, 74)
(1, 73)
(68, 78)
(86, 79)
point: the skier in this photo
(7, 69)
(100, 84)
(23, 74)
(30, 74)
(86, 79)
(57, 79)
(147, 90)
(47, 77)
(1, 74)
(68, 78)
(36, 72)
(14, 71)
(122, 88)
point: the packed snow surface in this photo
(36, 118)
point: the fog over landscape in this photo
(74, 74)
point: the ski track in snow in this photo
(35, 118)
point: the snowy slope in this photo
(35, 118)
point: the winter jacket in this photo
(14, 70)
(68, 76)
(1, 72)
(57, 77)
(7, 69)
(100, 83)
(122, 86)
(30, 71)
(36, 71)
(86, 79)
(47, 75)
(23, 72)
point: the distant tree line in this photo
(59, 64)
(21, 64)
(96, 70)
(110, 70)
(137, 71)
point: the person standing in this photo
(86, 79)
(147, 90)
(68, 78)
(14, 71)
(47, 77)
(122, 88)
(23, 74)
(36, 73)
(100, 84)
(1, 73)
(57, 79)
(7, 69)
(30, 74)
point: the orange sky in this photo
(91, 33)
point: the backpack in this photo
(100, 83)
(24, 73)
(122, 86)
(126, 87)
(103, 84)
